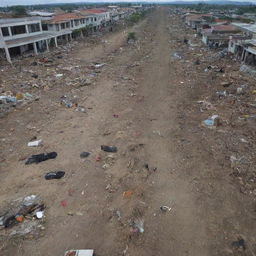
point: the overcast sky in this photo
(30, 2)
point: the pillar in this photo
(8, 57)
(35, 48)
(47, 45)
(40, 25)
(56, 42)
(26, 26)
(245, 56)
(66, 37)
(10, 31)
(70, 37)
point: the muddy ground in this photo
(144, 101)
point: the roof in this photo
(197, 16)
(39, 13)
(93, 11)
(224, 28)
(217, 36)
(18, 20)
(64, 17)
(245, 26)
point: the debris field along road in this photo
(162, 192)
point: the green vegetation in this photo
(85, 31)
(136, 17)
(18, 11)
(131, 36)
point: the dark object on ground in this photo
(240, 243)
(197, 62)
(84, 154)
(146, 166)
(109, 148)
(54, 175)
(41, 157)
(34, 75)
(10, 222)
(185, 41)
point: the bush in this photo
(131, 36)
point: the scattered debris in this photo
(99, 65)
(54, 175)
(41, 157)
(240, 243)
(213, 121)
(35, 143)
(79, 252)
(137, 226)
(22, 211)
(165, 208)
(176, 56)
(109, 148)
(84, 154)
(59, 75)
(64, 203)
(128, 194)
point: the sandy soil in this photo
(143, 102)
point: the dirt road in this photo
(142, 102)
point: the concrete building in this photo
(249, 29)
(99, 17)
(219, 35)
(18, 35)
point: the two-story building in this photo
(18, 35)
(99, 17)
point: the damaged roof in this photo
(65, 17)
(245, 26)
(225, 28)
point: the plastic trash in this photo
(209, 122)
(54, 175)
(35, 143)
(138, 226)
(7, 99)
(99, 65)
(40, 214)
(212, 121)
(87, 252)
(41, 157)
(84, 154)
(109, 148)
(165, 208)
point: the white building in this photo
(18, 35)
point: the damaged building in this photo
(219, 35)
(18, 36)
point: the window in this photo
(62, 25)
(95, 19)
(32, 28)
(91, 19)
(67, 24)
(76, 22)
(44, 27)
(17, 30)
(5, 31)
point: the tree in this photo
(19, 10)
